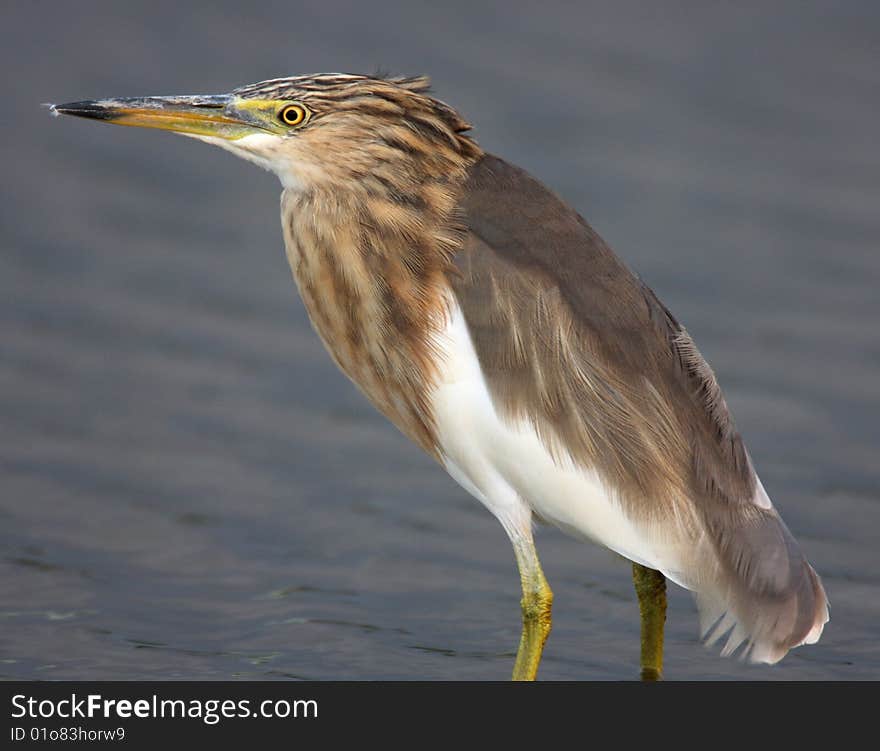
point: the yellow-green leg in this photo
(537, 602)
(651, 590)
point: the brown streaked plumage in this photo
(488, 321)
(372, 261)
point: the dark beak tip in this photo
(88, 109)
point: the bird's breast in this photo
(373, 311)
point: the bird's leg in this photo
(651, 590)
(537, 601)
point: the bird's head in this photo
(320, 130)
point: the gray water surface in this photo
(189, 489)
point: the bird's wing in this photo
(571, 341)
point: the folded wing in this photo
(571, 341)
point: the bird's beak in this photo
(195, 115)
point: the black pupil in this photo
(292, 115)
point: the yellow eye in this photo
(293, 114)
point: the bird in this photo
(493, 326)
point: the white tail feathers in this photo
(764, 630)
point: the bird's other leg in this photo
(537, 601)
(651, 591)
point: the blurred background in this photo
(189, 488)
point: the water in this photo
(188, 488)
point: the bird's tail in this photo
(764, 597)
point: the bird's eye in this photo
(292, 114)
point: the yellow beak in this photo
(198, 115)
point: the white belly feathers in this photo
(507, 467)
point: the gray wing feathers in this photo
(568, 337)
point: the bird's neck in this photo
(371, 264)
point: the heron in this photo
(489, 322)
